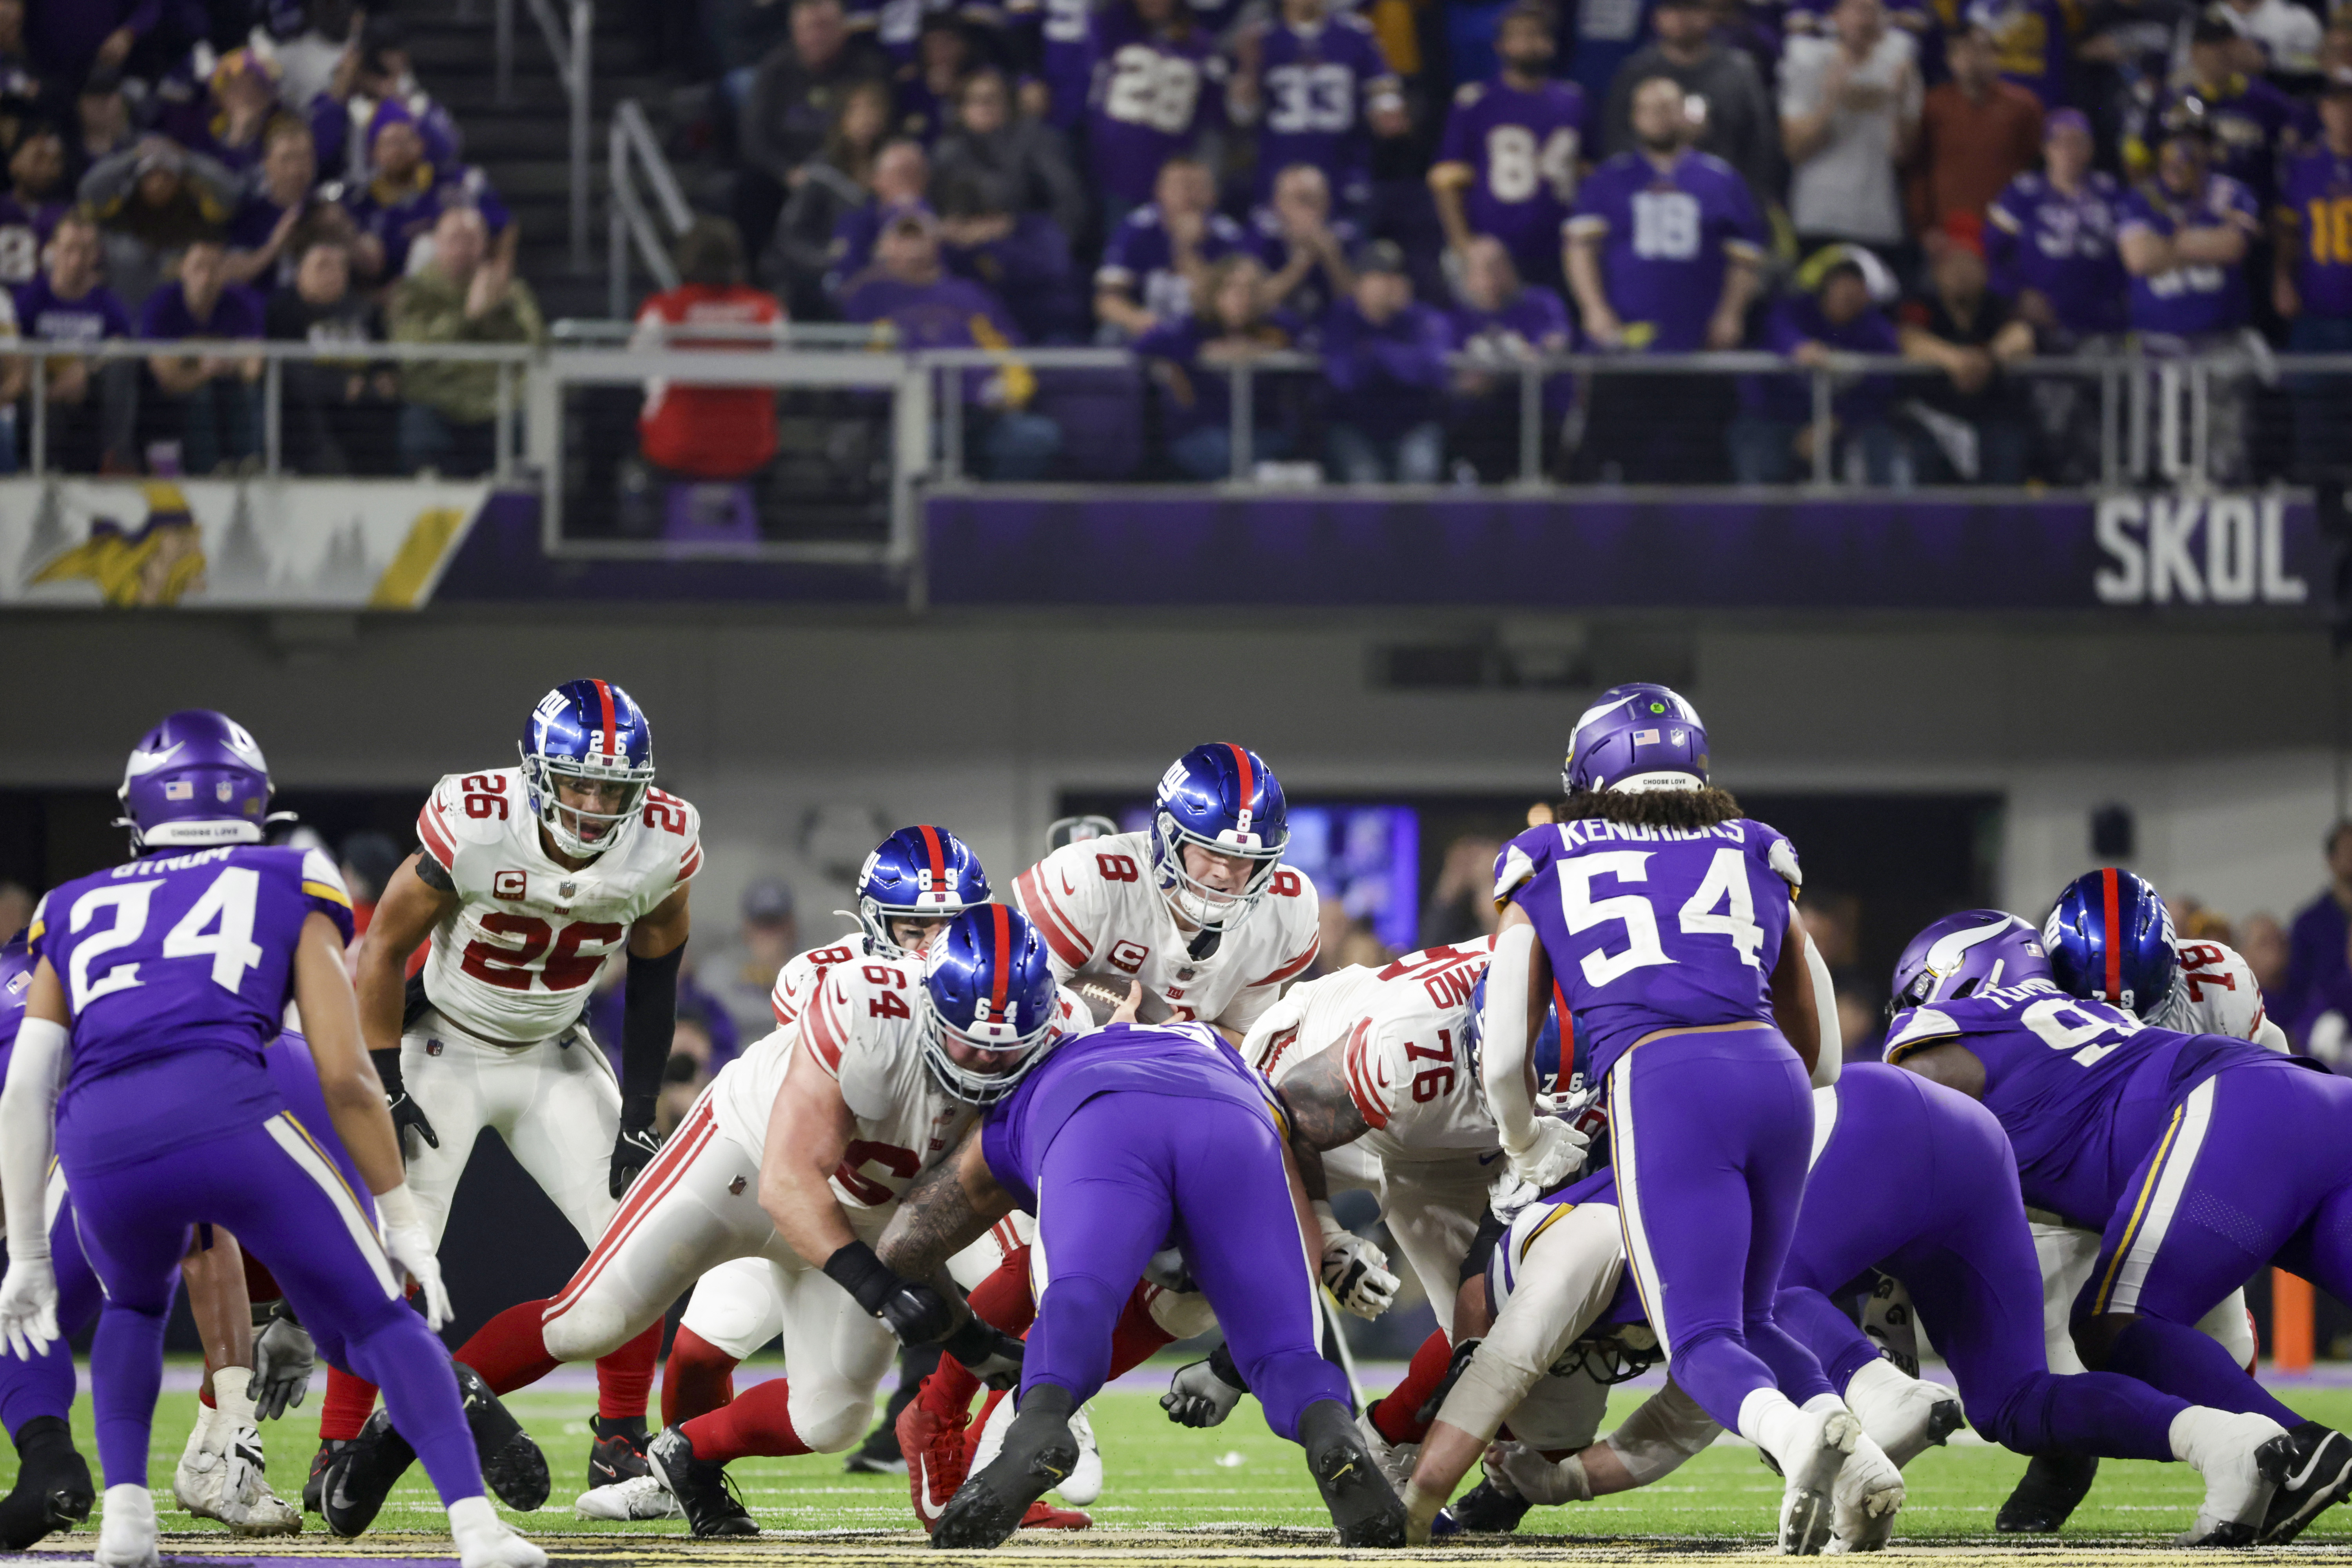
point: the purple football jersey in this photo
(1666, 237)
(24, 234)
(2031, 40)
(170, 955)
(2192, 300)
(1319, 83)
(2083, 1089)
(1654, 929)
(1535, 321)
(1139, 258)
(1062, 53)
(2318, 191)
(1519, 150)
(1153, 97)
(2038, 237)
(2253, 123)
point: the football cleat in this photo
(1085, 1483)
(1039, 1453)
(512, 1467)
(703, 1494)
(1484, 1509)
(616, 1454)
(52, 1492)
(1046, 1516)
(639, 1496)
(245, 1501)
(362, 1474)
(2242, 1458)
(314, 1488)
(1396, 1460)
(1904, 1416)
(861, 1463)
(1868, 1494)
(934, 1447)
(2317, 1476)
(126, 1529)
(1808, 1470)
(2053, 1487)
(1364, 1507)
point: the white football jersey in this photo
(861, 1025)
(1401, 1030)
(797, 982)
(2214, 993)
(513, 961)
(1101, 912)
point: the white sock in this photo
(233, 1400)
(473, 1516)
(1875, 1380)
(2200, 1434)
(1821, 1401)
(202, 1437)
(1767, 1419)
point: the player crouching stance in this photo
(1092, 1146)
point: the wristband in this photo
(855, 1268)
(638, 1111)
(396, 1207)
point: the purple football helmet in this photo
(195, 781)
(1636, 738)
(1961, 954)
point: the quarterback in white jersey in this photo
(529, 880)
(1197, 909)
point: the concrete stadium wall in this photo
(2224, 741)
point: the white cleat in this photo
(197, 1481)
(1396, 1460)
(245, 1504)
(2242, 1458)
(1082, 1486)
(126, 1532)
(1905, 1416)
(639, 1496)
(1817, 1451)
(486, 1540)
(1868, 1494)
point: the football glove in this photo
(283, 1355)
(410, 1247)
(28, 1305)
(988, 1354)
(1514, 1466)
(1200, 1394)
(407, 1117)
(1355, 1271)
(632, 1151)
(1552, 1155)
(914, 1313)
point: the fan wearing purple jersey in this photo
(34, 203)
(2204, 1159)
(1665, 918)
(1664, 252)
(1156, 260)
(1323, 90)
(2051, 239)
(1157, 88)
(2313, 282)
(1513, 147)
(140, 1062)
(1088, 1144)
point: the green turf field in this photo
(1241, 1475)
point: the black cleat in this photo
(2053, 1486)
(52, 1492)
(1487, 1510)
(701, 1489)
(362, 1474)
(1039, 1454)
(512, 1467)
(314, 1489)
(2318, 1476)
(1364, 1510)
(617, 1453)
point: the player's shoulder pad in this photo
(456, 818)
(673, 828)
(1064, 894)
(1520, 860)
(1919, 1027)
(1468, 94)
(322, 883)
(1779, 854)
(1298, 917)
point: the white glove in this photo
(406, 1243)
(1554, 1155)
(28, 1305)
(1527, 1472)
(1355, 1271)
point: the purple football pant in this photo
(44, 1385)
(1127, 1170)
(2253, 1167)
(272, 1185)
(1708, 1134)
(1920, 1183)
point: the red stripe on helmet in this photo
(1248, 785)
(604, 696)
(939, 858)
(2111, 883)
(1004, 959)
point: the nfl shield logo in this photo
(224, 789)
(1681, 736)
(567, 889)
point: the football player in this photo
(140, 1061)
(2207, 1158)
(796, 1156)
(1117, 1141)
(528, 878)
(1666, 920)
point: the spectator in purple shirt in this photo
(1303, 248)
(206, 406)
(1503, 323)
(33, 203)
(2320, 961)
(1773, 437)
(93, 404)
(1190, 360)
(1021, 257)
(407, 194)
(1513, 148)
(284, 209)
(2312, 283)
(1324, 89)
(1384, 355)
(901, 181)
(1153, 264)
(239, 104)
(1157, 90)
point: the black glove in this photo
(914, 1313)
(1203, 1392)
(407, 1117)
(987, 1352)
(634, 1148)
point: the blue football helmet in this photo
(1961, 954)
(1636, 738)
(1546, 1049)
(987, 986)
(16, 985)
(592, 733)
(1226, 799)
(917, 873)
(2110, 940)
(197, 779)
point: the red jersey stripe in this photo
(824, 1036)
(1029, 888)
(435, 836)
(1312, 947)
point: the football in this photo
(1103, 995)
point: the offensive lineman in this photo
(528, 878)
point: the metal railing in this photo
(632, 152)
(569, 42)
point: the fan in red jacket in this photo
(708, 432)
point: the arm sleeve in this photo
(648, 1021)
(28, 1107)
(1510, 977)
(1667, 1429)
